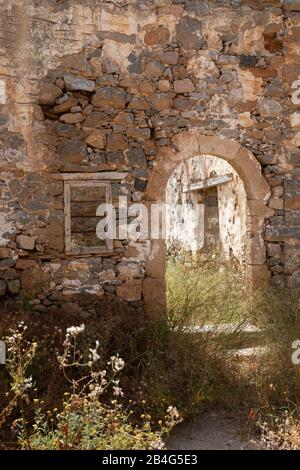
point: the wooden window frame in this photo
(87, 180)
(108, 248)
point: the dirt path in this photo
(211, 430)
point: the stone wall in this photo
(99, 86)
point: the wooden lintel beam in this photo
(105, 175)
(208, 183)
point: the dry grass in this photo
(203, 290)
(166, 365)
(267, 386)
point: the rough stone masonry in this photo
(125, 91)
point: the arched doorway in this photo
(191, 144)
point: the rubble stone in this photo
(188, 32)
(2, 288)
(49, 94)
(96, 139)
(130, 291)
(14, 286)
(183, 86)
(72, 151)
(73, 83)
(109, 97)
(25, 242)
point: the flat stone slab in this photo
(77, 83)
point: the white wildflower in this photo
(157, 445)
(28, 383)
(173, 412)
(94, 354)
(74, 331)
(116, 363)
(96, 391)
(118, 392)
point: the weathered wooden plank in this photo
(91, 250)
(109, 243)
(67, 212)
(208, 183)
(84, 224)
(84, 209)
(86, 240)
(88, 193)
(81, 201)
(105, 175)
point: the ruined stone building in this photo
(207, 208)
(101, 98)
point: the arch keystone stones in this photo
(218, 146)
(186, 142)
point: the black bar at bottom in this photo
(137, 459)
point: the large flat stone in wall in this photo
(96, 119)
(169, 58)
(292, 194)
(188, 33)
(291, 258)
(183, 86)
(123, 24)
(157, 35)
(35, 281)
(76, 62)
(136, 157)
(49, 93)
(251, 85)
(130, 291)
(67, 131)
(25, 242)
(72, 151)
(109, 97)
(73, 83)
(96, 139)
(72, 118)
(283, 233)
(292, 218)
(5, 252)
(116, 141)
(51, 237)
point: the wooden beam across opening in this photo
(104, 175)
(208, 183)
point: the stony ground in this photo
(212, 430)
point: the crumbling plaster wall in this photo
(186, 217)
(222, 69)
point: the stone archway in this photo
(189, 144)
